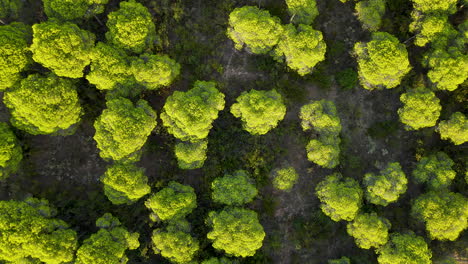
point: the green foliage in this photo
(386, 187)
(28, 230)
(218, 261)
(324, 151)
(347, 78)
(122, 128)
(445, 214)
(421, 108)
(237, 231)
(260, 111)
(428, 28)
(108, 245)
(343, 260)
(435, 6)
(370, 13)
(11, 153)
(405, 249)
(173, 202)
(369, 230)
(254, 28)
(14, 53)
(191, 155)
(175, 244)
(302, 11)
(155, 71)
(110, 67)
(43, 104)
(340, 197)
(285, 178)
(435, 170)
(10, 8)
(235, 189)
(454, 129)
(73, 9)
(383, 61)
(189, 115)
(302, 48)
(321, 116)
(125, 183)
(131, 27)
(448, 68)
(62, 47)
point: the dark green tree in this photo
(234, 189)
(435, 170)
(10, 9)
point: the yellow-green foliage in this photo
(122, 128)
(386, 187)
(324, 151)
(421, 108)
(155, 71)
(370, 13)
(73, 9)
(369, 230)
(302, 11)
(260, 111)
(302, 48)
(173, 202)
(11, 153)
(28, 232)
(405, 249)
(285, 178)
(237, 231)
(340, 197)
(448, 68)
(175, 243)
(254, 28)
(108, 245)
(125, 183)
(343, 260)
(10, 9)
(235, 189)
(43, 104)
(435, 170)
(428, 28)
(445, 214)
(454, 129)
(62, 47)
(110, 67)
(382, 62)
(191, 155)
(189, 115)
(14, 53)
(131, 27)
(217, 261)
(435, 6)
(320, 116)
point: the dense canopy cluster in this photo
(10, 151)
(386, 187)
(234, 189)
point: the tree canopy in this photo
(428, 27)
(285, 178)
(28, 230)
(455, 129)
(254, 28)
(301, 47)
(445, 213)
(14, 53)
(405, 249)
(237, 231)
(62, 47)
(435, 170)
(370, 13)
(189, 115)
(155, 71)
(44, 104)
(131, 27)
(11, 153)
(217, 261)
(173, 202)
(302, 11)
(108, 245)
(324, 151)
(343, 260)
(10, 9)
(122, 128)
(234, 189)
(320, 116)
(341, 198)
(191, 155)
(369, 230)
(448, 67)
(73, 9)
(433, 6)
(421, 108)
(386, 187)
(125, 183)
(382, 62)
(260, 111)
